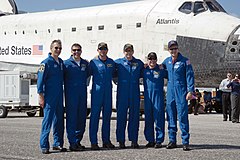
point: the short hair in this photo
(152, 55)
(56, 41)
(76, 45)
(127, 46)
(102, 45)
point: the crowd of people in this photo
(229, 90)
(126, 72)
(231, 98)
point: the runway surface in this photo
(211, 138)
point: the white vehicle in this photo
(14, 93)
(206, 34)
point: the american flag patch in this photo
(37, 50)
(188, 62)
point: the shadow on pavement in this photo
(209, 146)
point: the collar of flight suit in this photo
(52, 59)
(133, 59)
(102, 60)
(72, 60)
(178, 58)
(156, 67)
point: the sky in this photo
(231, 6)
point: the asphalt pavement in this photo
(211, 138)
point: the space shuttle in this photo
(206, 34)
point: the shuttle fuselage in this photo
(206, 34)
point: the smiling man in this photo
(129, 71)
(179, 90)
(102, 69)
(50, 90)
(75, 84)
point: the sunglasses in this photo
(76, 50)
(103, 48)
(154, 59)
(60, 48)
(173, 49)
(129, 50)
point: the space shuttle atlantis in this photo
(206, 34)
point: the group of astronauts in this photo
(125, 72)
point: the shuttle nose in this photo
(233, 46)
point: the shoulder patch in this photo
(42, 67)
(188, 62)
(109, 65)
(135, 64)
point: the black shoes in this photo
(45, 151)
(150, 145)
(108, 145)
(158, 145)
(75, 148)
(186, 147)
(135, 145)
(122, 145)
(225, 119)
(95, 147)
(235, 121)
(59, 148)
(171, 145)
(80, 146)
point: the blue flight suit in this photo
(101, 97)
(50, 84)
(128, 97)
(153, 80)
(75, 84)
(180, 82)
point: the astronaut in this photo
(179, 89)
(129, 71)
(50, 90)
(153, 80)
(75, 87)
(102, 69)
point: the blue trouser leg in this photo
(58, 125)
(96, 106)
(46, 125)
(82, 115)
(183, 121)
(71, 117)
(172, 121)
(94, 122)
(159, 118)
(149, 122)
(106, 113)
(122, 109)
(182, 109)
(133, 123)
